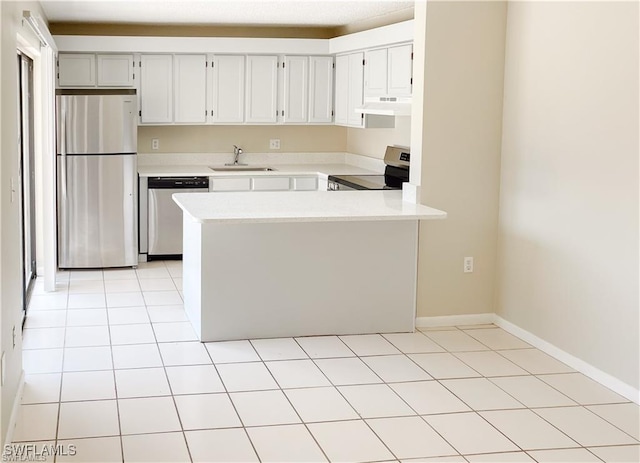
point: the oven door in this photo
(335, 186)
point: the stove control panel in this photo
(397, 156)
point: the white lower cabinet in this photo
(230, 184)
(305, 183)
(264, 183)
(270, 183)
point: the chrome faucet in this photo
(237, 151)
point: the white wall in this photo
(568, 227)
(461, 136)
(10, 248)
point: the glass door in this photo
(27, 177)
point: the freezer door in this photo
(97, 211)
(96, 124)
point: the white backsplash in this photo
(268, 159)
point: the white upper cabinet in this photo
(115, 70)
(296, 89)
(156, 89)
(356, 75)
(76, 70)
(342, 90)
(355, 92)
(399, 70)
(388, 71)
(349, 89)
(375, 72)
(227, 89)
(320, 89)
(90, 70)
(190, 88)
(262, 89)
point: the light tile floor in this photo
(113, 368)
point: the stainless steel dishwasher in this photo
(165, 217)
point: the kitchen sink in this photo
(240, 169)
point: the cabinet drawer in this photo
(230, 184)
(270, 183)
(305, 183)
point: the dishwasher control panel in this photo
(178, 182)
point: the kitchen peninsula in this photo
(300, 263)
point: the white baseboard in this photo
(14, 411)
(455, 320)
(577, 364)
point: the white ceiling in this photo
(221, 12)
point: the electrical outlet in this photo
(155, 143)
(13, 337)
(274, 144)
(468, 265)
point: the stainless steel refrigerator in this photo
(97, 178)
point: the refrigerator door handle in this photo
(63, 152)
(63, 132)
(129, 129)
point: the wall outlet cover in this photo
(274, 144)
(155, 143)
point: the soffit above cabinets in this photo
(382, 36)
(223, 12)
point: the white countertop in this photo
(302, 206)
(279, 169)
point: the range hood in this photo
(386, 106)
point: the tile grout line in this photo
(115, 381)
(305, 424)
(335, 387)
(383, 382)
(228, 394)
(164, 368)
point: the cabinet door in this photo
(228, 89)
(320, 89)
(270, 184)
(76, 70)
(230, 184)
(342, 90)
(156, 89)
(190, 88)
(262, 89)
(305, 183)
(296, 89)
(115, 70)
(375, 72)
(400, 64)
(356, 72)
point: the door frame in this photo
(44, 79)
